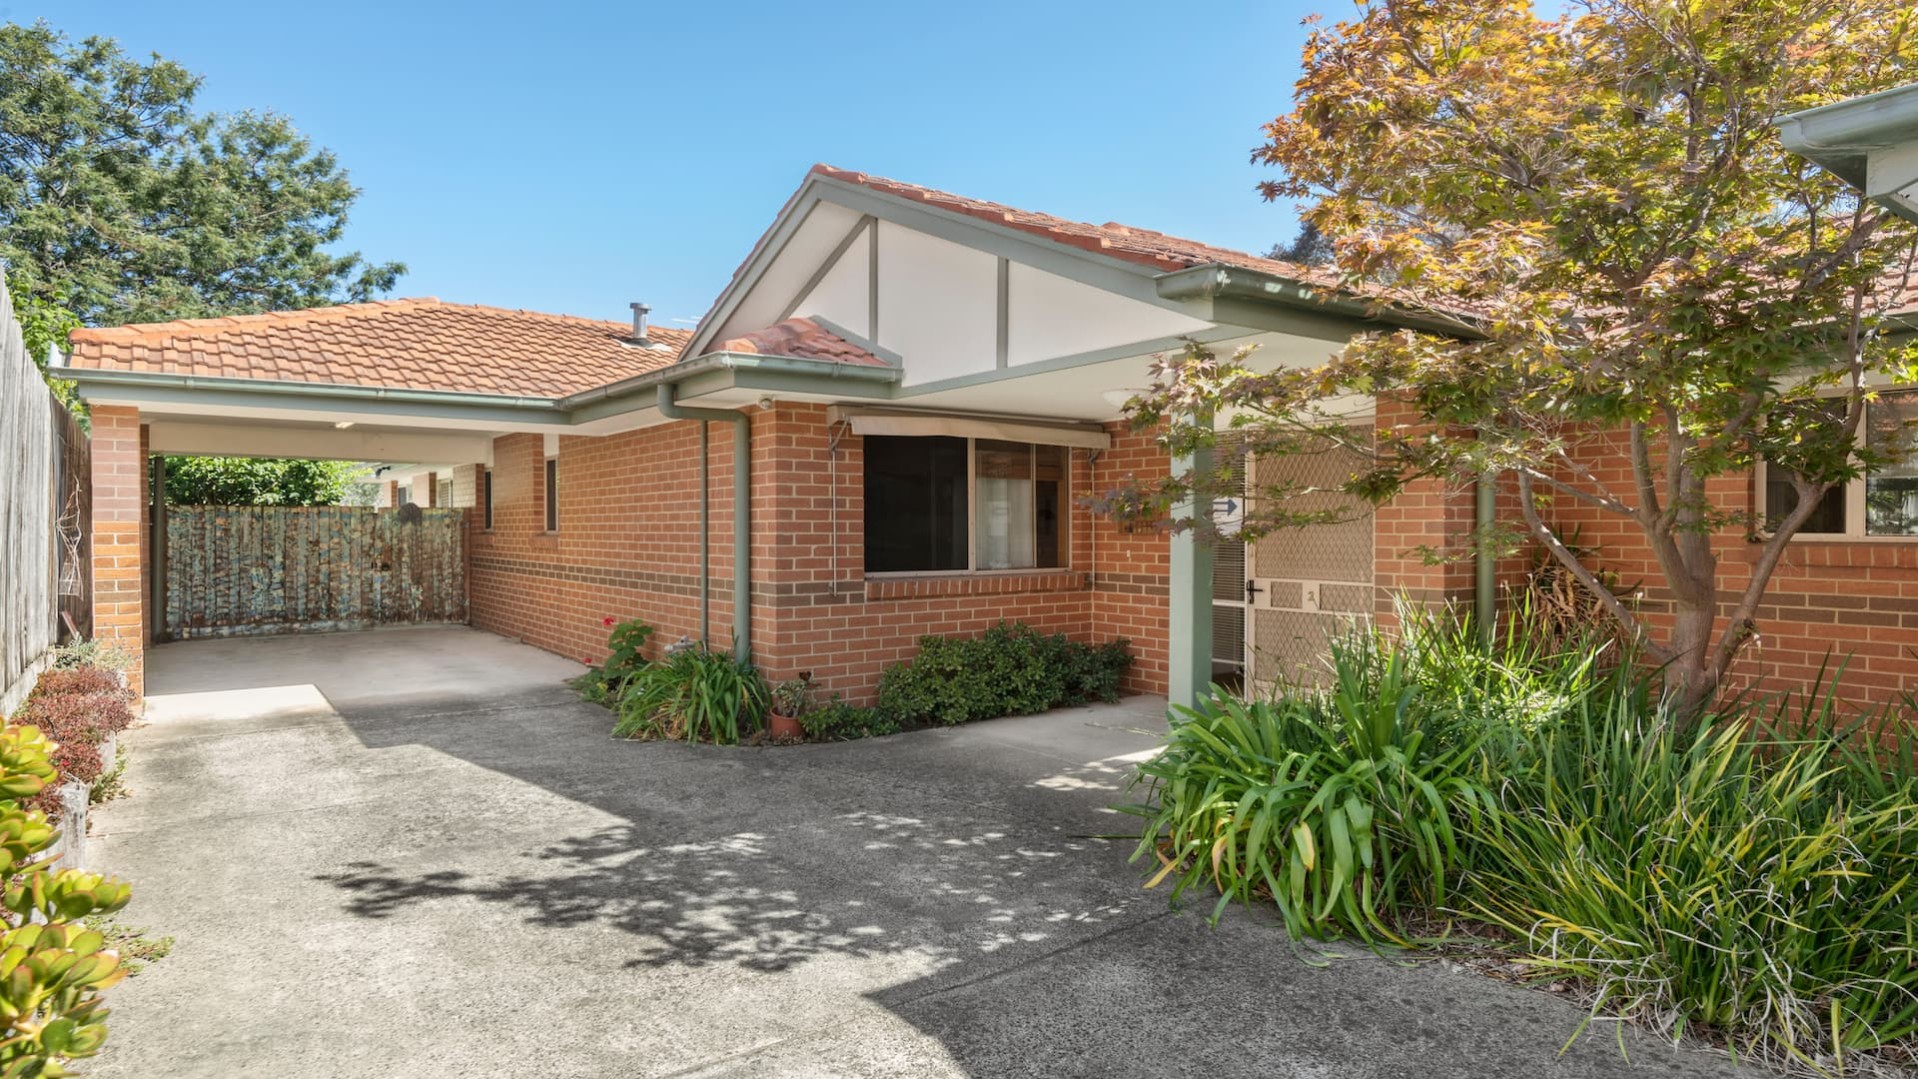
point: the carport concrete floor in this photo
(413, 852)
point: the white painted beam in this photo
(270, 440)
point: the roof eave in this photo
(1215, 280)
(1842, 138)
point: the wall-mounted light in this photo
(342, 425)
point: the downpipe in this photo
(670, 408)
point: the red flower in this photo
(609, 620)
(588, 660)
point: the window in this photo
(1882, 503)
(443, 492)
(552, 494)
(942, 504)
(486, 495)
(403, 494)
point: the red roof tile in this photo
(416, 344)
(802, 338)
(1112, 239)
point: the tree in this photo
(249, 481)
(1633, 259)
(1311, 247)
(120, 203)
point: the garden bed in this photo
(696, 694)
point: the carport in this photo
(416, 388)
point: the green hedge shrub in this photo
(838, 721)
(1011, 670)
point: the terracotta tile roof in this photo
(1113, 239)
(417, 344)
(802, 338)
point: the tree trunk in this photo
(1691, 679)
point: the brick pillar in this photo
(466, 486)
(119, 534)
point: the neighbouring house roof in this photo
(414, 344)
(804, 339)
(1126, 242)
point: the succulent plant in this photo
(52, 970)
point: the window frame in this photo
(486, 499)
(1856, 519)
(972, 518)
(550, 485)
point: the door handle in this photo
(1252, 589)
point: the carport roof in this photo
(412, 344)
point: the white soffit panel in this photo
(926, 424)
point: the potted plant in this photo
(791, 699)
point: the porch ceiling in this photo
(230, 436)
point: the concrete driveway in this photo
(414, 853)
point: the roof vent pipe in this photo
(640, 311)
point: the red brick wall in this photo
(816, 611)
(1852, 601)
(627, 544)
(627, 547)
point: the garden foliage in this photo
(695, 695)
(1745, 874)
(53, 968)
(1011, 670)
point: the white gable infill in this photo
(953, 295)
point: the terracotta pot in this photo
(785, 728)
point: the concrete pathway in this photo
(413, 853)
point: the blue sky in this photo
(572, 157)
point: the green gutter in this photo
(1842, 137)
(742, 515)
(1217, 280)
(798, 375)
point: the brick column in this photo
(466, 486)
(119, 534)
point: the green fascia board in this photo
(1841, 137)
(144, 387)
(714, 371)
(1130, 279)
(1080, 359)
(1235, 291)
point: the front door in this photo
(1304, 586)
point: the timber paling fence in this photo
(46, 581)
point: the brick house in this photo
(880, 430)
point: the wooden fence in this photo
(45, 508)
(250, 570)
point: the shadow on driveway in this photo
(498, 888)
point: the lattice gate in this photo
(1305, 585)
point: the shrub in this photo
(80, 681)
(57, 967)
(695, 695)
(1336, 805)
(1744, 875)
(92, 654)
(624, 657)
(838, 721)
(1710, 876)
(77, 725)
(1011, 670)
